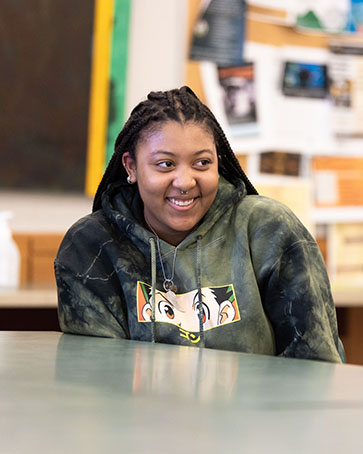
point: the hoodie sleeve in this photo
(299, 304)
(82, 310)
(295, 288)
(90, 297)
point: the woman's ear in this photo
(130, 166)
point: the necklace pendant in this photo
(173, 288)
(169, 285)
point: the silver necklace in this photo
(168, 284)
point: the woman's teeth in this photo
(182, 203)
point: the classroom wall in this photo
(157, 49)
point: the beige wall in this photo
(157, 48)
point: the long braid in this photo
(181, 105)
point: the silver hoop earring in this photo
(129, 179)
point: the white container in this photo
(9, 255)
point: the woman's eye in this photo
(203, 162)
(165, 164)
(166, 309)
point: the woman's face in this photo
(176, 171)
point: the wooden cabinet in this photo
(37, 253)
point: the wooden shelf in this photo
(348, 297)
(29, 298)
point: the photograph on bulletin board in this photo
(280, 163)
(346, 87)
(302, 79)
(239, 98)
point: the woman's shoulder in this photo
(259, 205)
(87, 234)
(268, 216)
(258, 200)
(90, 224)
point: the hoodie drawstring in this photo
(200, 303)
(153, 286)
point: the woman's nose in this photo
(184, 180)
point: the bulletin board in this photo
(257, 32)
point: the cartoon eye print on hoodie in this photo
(165, 308)
(205, 309)
(218, 307)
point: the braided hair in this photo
(180, 105)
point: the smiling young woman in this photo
(181, 249)
(176, 171)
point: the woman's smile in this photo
(181, 203)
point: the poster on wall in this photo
(218, 35)
(239, 99)
(230, 93)
(330, 16)
(346, 87)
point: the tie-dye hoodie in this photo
(260, 274)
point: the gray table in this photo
(73, 394)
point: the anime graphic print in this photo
(219, 307)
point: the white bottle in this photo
(9, 255)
